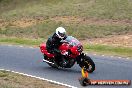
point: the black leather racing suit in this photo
(53, 44)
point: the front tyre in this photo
(88, 64)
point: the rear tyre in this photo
(88, 64)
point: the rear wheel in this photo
(88, 64)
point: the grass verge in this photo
(101, 49)
(13, 80)
(109, 50)
(21, 41)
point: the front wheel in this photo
(88, 64)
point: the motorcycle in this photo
(71, 52)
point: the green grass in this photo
(100, 9)
(105, 49)
(21, 41)
(13, 80)
(3, 74)
(110, 9)
(47, 28)
(34, 34)
(101, 49)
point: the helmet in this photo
(61, 32)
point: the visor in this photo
(62, 34)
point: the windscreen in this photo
(72, 41)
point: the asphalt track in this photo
(29, 60)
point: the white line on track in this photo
(40, 78)
(86, 53)
(94, 54)
(31, 47)
(111, 56)
(9, 45)
(119, 57)
(21, 46)
(103, 55)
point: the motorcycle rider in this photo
(53, 42)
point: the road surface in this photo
(29, 60)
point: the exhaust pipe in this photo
(48, 61)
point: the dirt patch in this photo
(120, 40)
(2, 23)
(92, 21)
(13, 80)
(26, 21)
(23, 22)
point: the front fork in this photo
(80, 59)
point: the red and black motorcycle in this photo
(71, 52)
